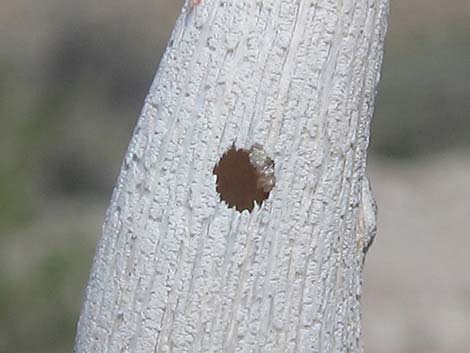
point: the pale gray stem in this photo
(176, 269)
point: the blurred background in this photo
(73, 77)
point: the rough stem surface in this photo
(176, 270)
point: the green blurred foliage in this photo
(48, 318)
(423, 105)
(73, 80)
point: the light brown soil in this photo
(417, 275)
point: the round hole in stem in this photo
(244, 177)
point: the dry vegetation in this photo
(74, 75)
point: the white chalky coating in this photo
(265, 167)
(176, 270)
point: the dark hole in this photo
(238, 181)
